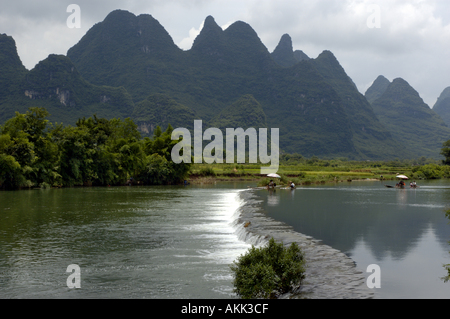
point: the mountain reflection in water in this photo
(404, 231)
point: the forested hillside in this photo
(411, 121)
(302, 97)
(129, 66)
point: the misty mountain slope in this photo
(378, 87)
(442, 106)
(410, 120)
(123, 44)
(246, 110)
(12, 70)
(369, 135)
(284, 54)
(161, 110)
(54, 83)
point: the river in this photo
(129, 242)
(178, 242)
(404, 231)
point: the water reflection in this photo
(273, 199)
(292, 193)
(402, 197)
(374, 224)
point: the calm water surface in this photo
(405, 232)
(130, 242)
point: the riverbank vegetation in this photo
(94, 152)
(307, 171)
(101, 152)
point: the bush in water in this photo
(268, 271)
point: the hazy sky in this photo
(395, 38)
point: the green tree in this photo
(76, 155)
(431, 171)
(132, 158)
(100, 152)
(96, 151)
(445, 151)
(268, 271)
(158, 170)
(26, 138)
(158, 151)
(11, 175)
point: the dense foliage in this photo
(96, 151)
(268, 271)
(445, 151)
(431, 171)
(159, 109)
(246, 111)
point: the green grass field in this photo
(309, 172)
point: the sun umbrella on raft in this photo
(402, 177)
(273, 175)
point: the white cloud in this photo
(186, 43)
(413, 41)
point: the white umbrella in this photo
(402, 176)
(273, 175)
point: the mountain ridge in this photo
(55, 83)
(442, 105)
(362, 119)
(378, 87)
(224, 65)
(401, 109)
(11, 68)
(314, 102)
(284, 54)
